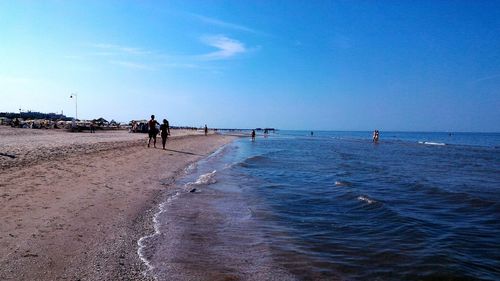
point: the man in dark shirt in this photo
(152, 130)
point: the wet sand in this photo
(211, 235)
(73, 205)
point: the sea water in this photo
(334, 206)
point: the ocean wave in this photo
(241, 164)
(191, 168)
(256, 159)
(342, 183)
(431, 143)
(366, 199)
(205, 179)
(141, 243)
(250, 161)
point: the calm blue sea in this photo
(335, 206)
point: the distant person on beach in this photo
(92, 127)
(165, 132)
(375, 136)
(253, 135)
(206, 130)
(16, 122)
(152, 130)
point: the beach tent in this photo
(4, 120)
(141, 126)
(101, 122)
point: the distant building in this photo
(35, 115)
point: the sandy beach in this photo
(73, 205)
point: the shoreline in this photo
(79, 215)
(210, 232)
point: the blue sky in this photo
(331, 65)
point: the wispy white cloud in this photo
(138, 58)
(225, 24)
(486, 78)
(340, 41)
(123, 56)
(226, 46)
(132, 65)
(13, 79)
(73, 57)
(103, 54)
(180, 65)
(120, 49)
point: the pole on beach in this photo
(76, 104)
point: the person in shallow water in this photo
(375, 136)
(253, 135)
(152, 130)
(165, 132)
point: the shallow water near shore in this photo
(334, 206)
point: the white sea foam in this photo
(342, 183)
(431, 143)
(142, 240)
(190, 168)
(208, 178)
(366, 199)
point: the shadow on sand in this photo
(185, 152)
(7, 155)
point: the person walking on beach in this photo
(152, 130)
(206, 130)
(165, 132)
(253, 135)
(92, 127)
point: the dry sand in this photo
(74, 204)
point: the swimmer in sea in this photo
(152, 130)
(375, 136)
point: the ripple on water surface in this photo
(337, 206)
